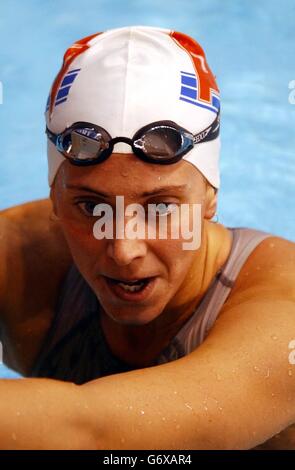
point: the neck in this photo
(139, 345)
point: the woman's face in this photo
(102, 262)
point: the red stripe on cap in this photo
(206, 78)
(71, 53)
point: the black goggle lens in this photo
(160, 142)
(83, 144)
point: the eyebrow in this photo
(153, 192)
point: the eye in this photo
(87, 207)
(162, 209)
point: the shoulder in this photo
(27, 231)
(269, 272)
(32, 250)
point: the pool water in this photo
(249, 46)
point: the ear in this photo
(210, 206)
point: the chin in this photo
(132, 317)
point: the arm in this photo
(234, 391)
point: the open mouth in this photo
(136, 289)
(131, 286)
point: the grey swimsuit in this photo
(76, 349)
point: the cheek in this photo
(85, 248)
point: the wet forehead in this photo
(126, 174)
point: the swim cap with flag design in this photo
(125, 78)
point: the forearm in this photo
(43, 414)
(171, 406)
(145, 408)
(234, 392)
(148, 408)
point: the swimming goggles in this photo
(161, 142)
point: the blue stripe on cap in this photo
(188, 73)
(72, 71)
(197, 103)
(60, 101)
(190, 81)
(47, 103)
(68, 79)
(215, 102)
(63, 92)
(190, 92)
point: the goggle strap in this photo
(210, 133)
(52, 137)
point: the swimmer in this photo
(139, 343)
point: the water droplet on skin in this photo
(159, 177)
(271, 245)
(18, 413)
(289, 372)
(130, 407)
(124, 173)
(273, 395)
(177, 426)
(274, 337)
(218, 377)
(188, 406)
(175, 392)
(256, 368)
(141, 412)
(163, 418)
(267, 374)
(206, 408)
(220, 408)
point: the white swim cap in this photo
(126, 78)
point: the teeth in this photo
(131, 288)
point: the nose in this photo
(124, 251)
